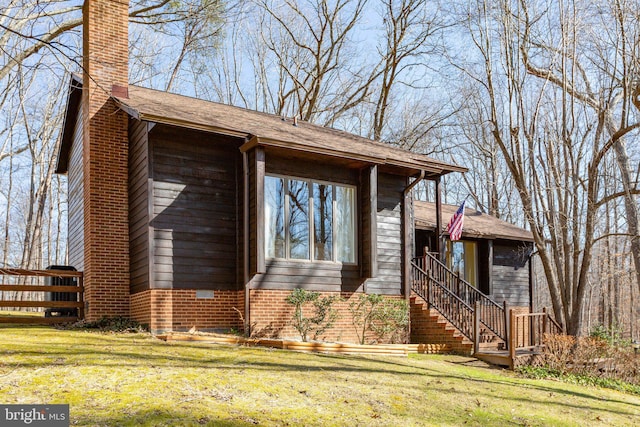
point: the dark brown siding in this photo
(369, 223)
(510, 274)
(195, 218)
(255, 183)
(139, 245)
(75, 199)
(311, 169)
(323, 277)
(389, 278)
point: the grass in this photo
(134, 379)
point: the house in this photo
(186, 213)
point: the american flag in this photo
(454, 228)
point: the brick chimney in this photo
(105, 158)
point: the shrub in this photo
(323, 315)
(112, 324)
(612, 335)
(385, 318)
(590, 360)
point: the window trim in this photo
(311, 221)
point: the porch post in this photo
(408, 240)
(438, 247)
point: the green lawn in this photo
(134, 379)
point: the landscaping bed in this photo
(318, 347)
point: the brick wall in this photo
(271, 316)
(105, 151)
(180, 310)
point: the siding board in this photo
(388, 281)
(75, 198)
(195, 218)
(138, 206)
(510, 274)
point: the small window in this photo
(309, 220)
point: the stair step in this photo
(429, 326)
(494, 358)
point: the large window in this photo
(309, 220)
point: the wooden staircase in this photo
(445, 309)
(428, 326)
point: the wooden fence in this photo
(28, 290)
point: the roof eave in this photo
(432, 169)
(74, 98)
(269, 142)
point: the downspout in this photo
(406, 225)
(245, 244)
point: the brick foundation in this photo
(271, 316)
(180, 310)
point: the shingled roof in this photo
(476, 224)
(257, 129)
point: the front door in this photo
(462, 258)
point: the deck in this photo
(523, 356)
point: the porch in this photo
(493, 332)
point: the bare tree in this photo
(604, 78)
(408, 25)
(29, 27)
(310, 44)
(38, 44)
(552, 145)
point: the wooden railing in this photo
(528, 330)
(453, 308)
(21, 294)
(438, 285)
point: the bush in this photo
(385, 318)
(323, 315)
(112, 324)
(612, 335)
(592, 360)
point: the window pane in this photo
(345, 224)
(274, 217)
(457, 258)
(298, 219)
(323, 222)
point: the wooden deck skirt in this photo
(315, 347)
